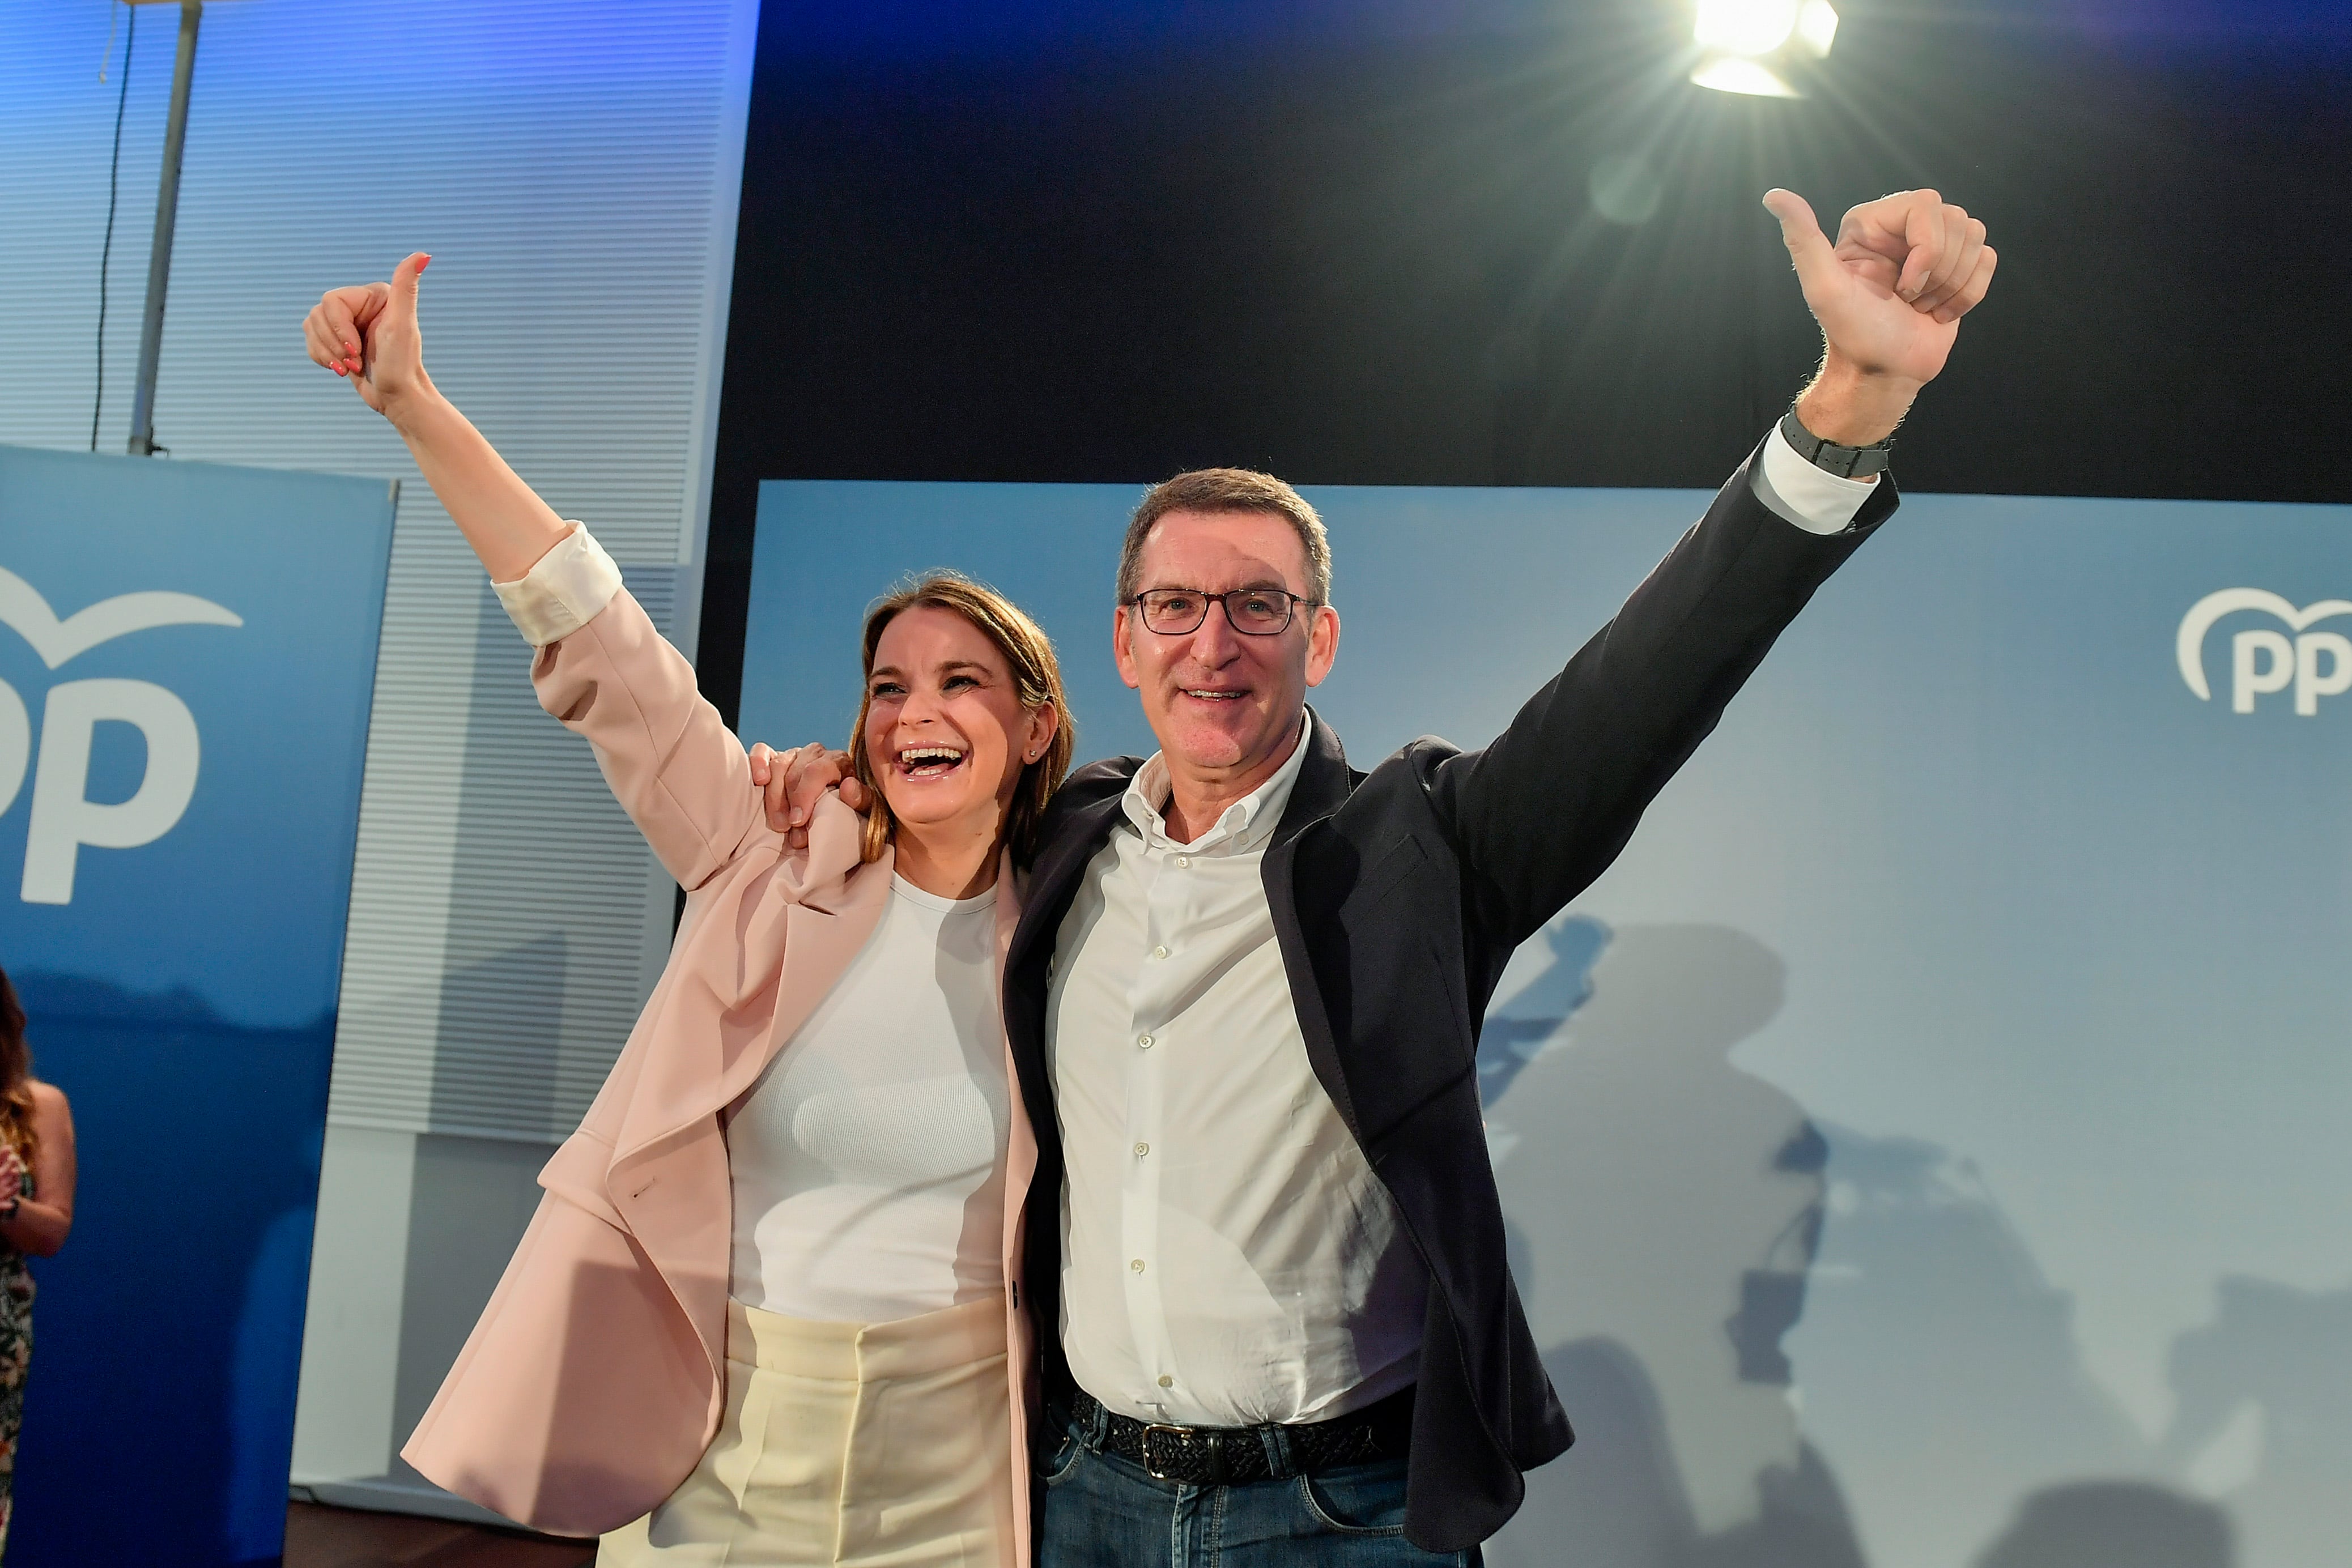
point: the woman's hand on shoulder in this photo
(12, 1174)
(368, 334)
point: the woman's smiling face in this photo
(946, 734)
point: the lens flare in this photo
(1728, 73)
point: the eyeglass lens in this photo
(1255, 613)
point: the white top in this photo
(1228, 1256)
(868, 1160)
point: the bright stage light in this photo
(1746, 41)
(1749, 28)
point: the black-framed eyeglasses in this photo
(1252, 612)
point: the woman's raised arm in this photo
(606, 672)
(369, 334)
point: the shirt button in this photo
(1141, 1150)
(1166, 1381)
(1159, 952)
(1137, 1265)
(1183, 862)
(1144, 1040)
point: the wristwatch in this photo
(1845, 462)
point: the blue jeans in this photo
(1098, 1510)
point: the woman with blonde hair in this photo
(768, 1311)
(37, 1192)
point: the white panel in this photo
(573, 169)
(350, 1336)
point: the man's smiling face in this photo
(1223, 705)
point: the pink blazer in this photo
(597, 1376)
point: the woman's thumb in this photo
(403, 283)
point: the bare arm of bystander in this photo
(40, 1223)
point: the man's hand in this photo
(1889, 295)
(792, 790)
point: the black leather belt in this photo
(1222, 1456)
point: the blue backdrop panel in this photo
(184, 702)
(1925, 1148)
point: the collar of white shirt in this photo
(1245, 826)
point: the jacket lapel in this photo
(1323, 787)
(1021, 1144)
(1052, 883)
(830, 904)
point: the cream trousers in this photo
(880, 1446)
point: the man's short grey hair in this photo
(1227, 490)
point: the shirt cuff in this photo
(1813, 498)
(567, 588)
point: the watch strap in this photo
(1845, 462)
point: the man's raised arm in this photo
(1546, 808)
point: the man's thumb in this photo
(1808, 247)
(403, 283)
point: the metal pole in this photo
(167, 208)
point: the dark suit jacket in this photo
(1398, 897)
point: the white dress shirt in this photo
(1228, 1256)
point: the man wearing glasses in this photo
(1277, 1324)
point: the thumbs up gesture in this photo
(368, 332)
(1889, 294)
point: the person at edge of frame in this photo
(38, 1169)
(1242, 999)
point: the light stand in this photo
(167, 208)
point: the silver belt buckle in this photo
(1184, 1436)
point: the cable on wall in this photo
(113, 188)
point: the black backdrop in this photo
(1357, 243)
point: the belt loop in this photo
(1098, 1424)
(1276, 1443)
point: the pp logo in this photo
(63, 818)
(2316, 664)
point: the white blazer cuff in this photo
(568, 587)
(1816, 501)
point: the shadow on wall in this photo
(1666, 1279)
(2265, 1393)
(1617, 1500)
(1938, 1362)
(1665, 1212)
(2114, 1524)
